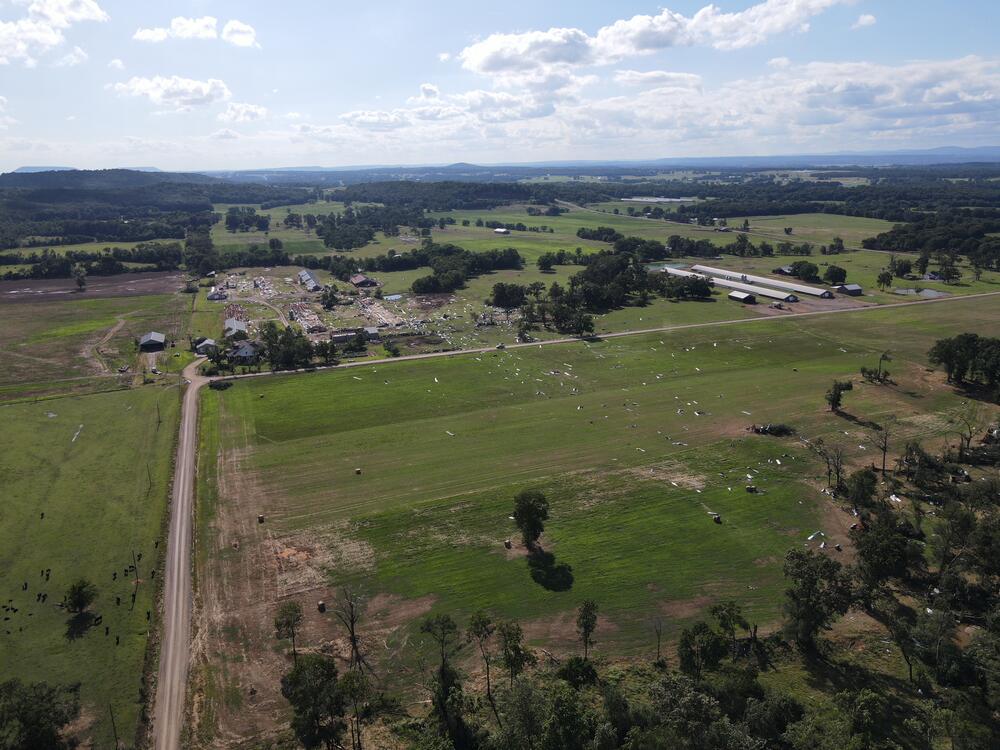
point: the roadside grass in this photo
(98, 467)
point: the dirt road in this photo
(168, 716)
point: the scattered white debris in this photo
(450, 434)
(356, 377)
(79, 429)
(816, 534)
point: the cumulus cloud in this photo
(822, 106)
(444, 56)
(658, 78)
(240, 34)
(41, 28)
(71, 59)
(376, 119)
(865, 19)
(225, 134)
(116, 64)
(559, 49)
(234, 32)
(241, 112)
(180, 28)
(175, 92)
(779, 62)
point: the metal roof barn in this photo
(744, 297)
(152, 340)
(759, 291)
(853, 290)
(813, 291)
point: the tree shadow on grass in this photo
(866, 423)
(78, 625)
(549, 574)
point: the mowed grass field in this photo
(819, 228)
(49, 347)
(98, 468)
(634, 440)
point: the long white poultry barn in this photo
(813, 291)
(760, 291)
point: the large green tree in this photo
(531, 511)
(819, 592)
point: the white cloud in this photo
(180, 28)
(151, 35)
(41, 29)
(234, 32)
(175, 92)
(546, 59)
(5, 120)
(658, 78)
(225, 134)
(779, 62)
(444, 56)
(240, 34)
(116, 64)
(429, 91)
(71, 59)
(376, 119)
(71, 118)
(865, 19)
(292, 115)
(241, 112)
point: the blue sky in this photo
(199, 84)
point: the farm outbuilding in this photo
(344, 335)
(206, 347)
(372, 334)
(854, 290)
(745, 297)
(361, 281)
(244, 353)
(308, 280)
(757, 291)
(153, 341)
(501, 230)
(800, 289)
(235, 329)
(217, 295)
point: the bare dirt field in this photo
(122, 285)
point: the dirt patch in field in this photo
(684, 609)
(123, 285)
(559, 634)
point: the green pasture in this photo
(98, 468)
(863, 267)
(605, 428)
(48, 347)
(819, 228)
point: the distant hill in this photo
(100, 179)
(30, 170)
